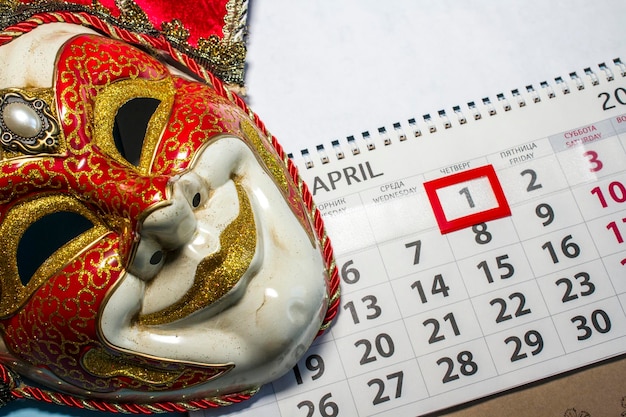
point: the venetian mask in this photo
(156, 245)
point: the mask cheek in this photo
(59, 323)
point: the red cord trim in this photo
(27, 392)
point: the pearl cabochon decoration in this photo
(22, 119)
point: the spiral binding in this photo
(416, 127)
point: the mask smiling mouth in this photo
(219, 273)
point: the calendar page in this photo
(479, 249)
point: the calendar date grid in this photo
(372, 361)
(531, 337)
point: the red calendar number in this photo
(596, 163)
(456, 199)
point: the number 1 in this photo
(615, 228)
(468, 196)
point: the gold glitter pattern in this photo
(14, 293)
(80, 77)
(271, 161)
(198, 115)
(278, 171)
(109, 101)
(56, 325)
(158, 373)
(104, 365)
(219, 272)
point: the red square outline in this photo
(447, 226)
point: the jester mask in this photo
(158, 247)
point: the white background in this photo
(321, 70)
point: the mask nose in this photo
(170, 227)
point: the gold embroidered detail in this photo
(224, 57)
(8, 6)
(131, 15)
(109, 101)
(234, 21)
(18, 219)
(175, 31)
(219, 272)
(28, 122)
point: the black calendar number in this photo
(468, 196)
(313, 363)
(507, 270)
(383, 344)
(467, 366)
(533, 184)
(326, 407)
(438, 287)
(618, 96)
(545, 212)
(380, 397)
(483, 236)
(584, 282)
(417, 250)
(600, 322)
(532, 339)
(349, 273)
(372, 308)
(516, 298)
(568, 248)
(435, 336)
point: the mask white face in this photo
(268, 317)
(210, 278)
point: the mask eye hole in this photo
(131, 125)
(44, 237)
